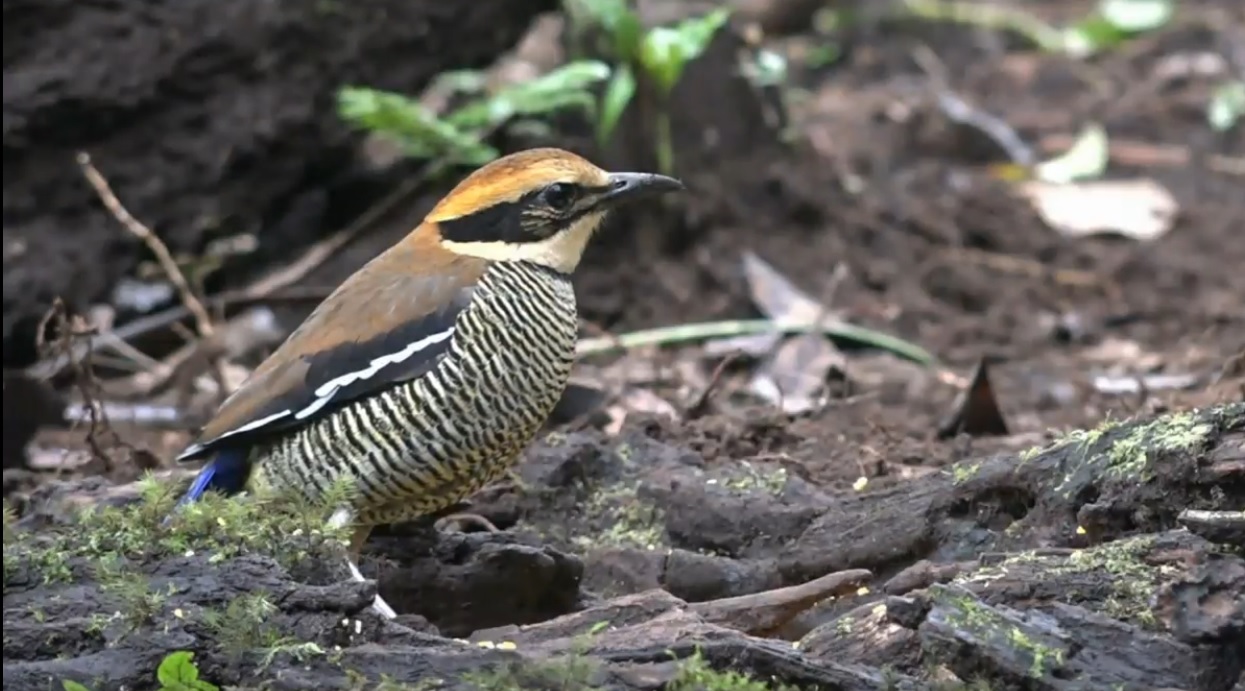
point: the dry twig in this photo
(192, 303)
(202, 321)
(68, 330)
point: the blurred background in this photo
(891, 204)
(923, 243)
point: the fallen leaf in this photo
(1226, 106)
(976, 411)
(794, 376)
(1086, 158)
(1139, 209)
(775, 295)
(1120, 385)
(1135, 16)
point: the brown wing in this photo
(385, 324)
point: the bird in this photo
(422, 377)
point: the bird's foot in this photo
(463, 519)
(378, 603)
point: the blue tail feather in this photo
(227, 473)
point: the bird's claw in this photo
(466, 518)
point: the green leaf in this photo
(618, 94)
(1091, 36)
(665, 51)
(562, 88)
(662, 57)
(617, 20)
(1136, 16)
(70, 685)
(1226, 106)
(626, 36)
(1086, 158)
(177, 672)
(415, 128)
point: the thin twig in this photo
(202, 321)
(279, 280)
(146, 324)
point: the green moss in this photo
(283, 527)
(1113, 451)
(749, 478)
(1131, 582)
(243, 625)
(1129, 456)
(965, 471)
(630, 521)
(1030, 453)
(696, 675)
(572, 671)
(139, 603)
(969, 614)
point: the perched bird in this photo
(423, 376)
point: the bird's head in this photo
(539, 205)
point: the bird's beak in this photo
(624, 187)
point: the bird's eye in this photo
(558, 195)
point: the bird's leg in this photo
(341, 518)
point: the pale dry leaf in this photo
(1125, 385)
(1141, 209)
(794, 377)
(647, 402)
(775, 295)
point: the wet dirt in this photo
(973, 543)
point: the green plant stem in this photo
(1043, 35)
(683, 333)
(665, 142)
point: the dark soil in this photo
(1040, 559)
(209, 119)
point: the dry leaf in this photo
(976, 412)
(1121, 385)
(776, 296)
(794, 376)
(1140, 209)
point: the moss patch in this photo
(751, 478)
(624, 519)
(1117, 567)
(1127, 452)
(969, 615)
(696, 675)
(106, 539)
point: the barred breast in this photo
(426, 444)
